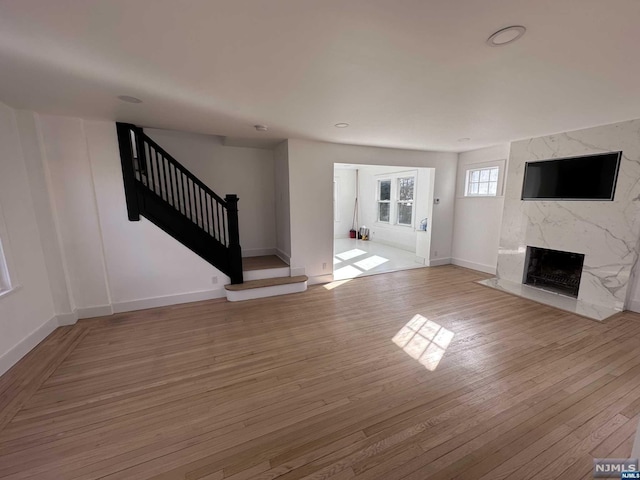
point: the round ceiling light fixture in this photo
(464, 139)
(129, 99)
(261, 128)
(341, 125)
(506, 35)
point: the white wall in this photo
(247, 172)
(311, 183)
(282, 206)
(424, 209)
(67, 158)
(346, 184)
(477, 220)
(40, 184)
(27, 314)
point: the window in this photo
(482, 182)
(395, 198)
(405, 201)
(384, 200)
(5, 257)
(336, 195)
(5, 281)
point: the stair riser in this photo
(266, 273)
(271, 291)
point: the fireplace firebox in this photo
(553, 270)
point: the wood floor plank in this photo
(313, 386)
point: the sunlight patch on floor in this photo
(346, 272)
(371, 262)
(349, 254)
(367, 258)
(424, 340)
(337, 283)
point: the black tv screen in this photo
(591, 177)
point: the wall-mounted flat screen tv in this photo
(592, 177)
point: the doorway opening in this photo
(381, 219)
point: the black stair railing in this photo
(159, 188)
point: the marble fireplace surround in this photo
(606, 232)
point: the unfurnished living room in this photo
(319, 239)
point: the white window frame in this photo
(411, 202)
(468, 181)
(336, 196)
(6, 284)
(5, 278)
(388, 202)
(394, 198)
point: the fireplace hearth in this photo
(553, 270)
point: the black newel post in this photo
(235, 252)
(128, 172)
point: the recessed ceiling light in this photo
(341, 125)
(128, 99)
(506, 36)
(464, 139)
(261, 128)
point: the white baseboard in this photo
(263, 292)
(634, 306)
(320, 279)
(67, 319)
(97, 311)
(258, 252)
(283, 256)
(153, 302)
(474, 266)
(436, 262)
(10, 358)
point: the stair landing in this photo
(266, 266)
(263, 262)
(265, 276)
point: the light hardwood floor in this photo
(313, 386)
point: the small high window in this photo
(482, 182)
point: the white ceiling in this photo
(404, 73)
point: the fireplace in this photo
(553, 270)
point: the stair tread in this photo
(262, 262)
(267, 282)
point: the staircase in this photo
(163, 191)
